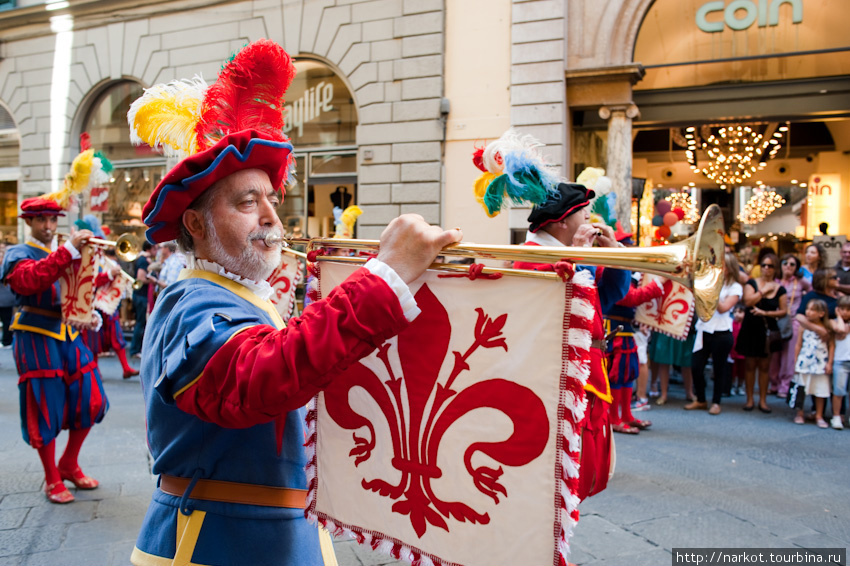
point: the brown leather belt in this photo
(234, 492)
(42, 312)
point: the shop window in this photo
(321, 120)
(138, 169)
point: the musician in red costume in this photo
(563, 220)
(60, 385)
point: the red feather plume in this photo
(247, 95)
(85, 141)
(478, 158)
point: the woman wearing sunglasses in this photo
(766, 301)
(795, 285)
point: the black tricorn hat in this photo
(568, 198)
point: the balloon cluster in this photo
(665, 217)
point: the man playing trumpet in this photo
(60, 385)
(563, 220)
(224, 381)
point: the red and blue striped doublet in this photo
(59, 383)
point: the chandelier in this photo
(763, 202)
(731, 154)
(685, 201)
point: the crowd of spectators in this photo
(780, 329)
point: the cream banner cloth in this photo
(456, 442)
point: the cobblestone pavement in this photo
(693, 480)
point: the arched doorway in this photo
(774, 74)
(10, 173)
(137, 169)
(321, 120)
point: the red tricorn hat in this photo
(40, 206)
(247, 149)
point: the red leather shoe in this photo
(79, 479)
(58, 493)
(130, 373)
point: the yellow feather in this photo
(76, 180)
(347, 220)
(480, 187)
(165, 116)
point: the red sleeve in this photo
(639, 295)
(31, 277)
(261, 373)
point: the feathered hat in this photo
(344, 221)
(512, 167)
(234, 124)
(89, 169)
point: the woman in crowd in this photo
(766, 302)
(714, 338)
(795, 285)
(814, 258)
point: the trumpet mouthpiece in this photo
(273, 240)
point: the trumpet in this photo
(127, 247)
(696, 262)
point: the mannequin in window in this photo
(341, 198)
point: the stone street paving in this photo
(739, 479)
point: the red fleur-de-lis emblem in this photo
(420, 409)
(672, 305)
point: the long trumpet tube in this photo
(696, 262)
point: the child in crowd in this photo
(841, 359)
(736, 359)
(814, 360)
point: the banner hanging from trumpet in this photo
(284, 281)
(451, 431)
(670, 314)
(77, 289)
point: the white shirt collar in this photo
(542, 238)
(260, 288)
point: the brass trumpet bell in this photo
(127, 247)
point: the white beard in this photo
(250, 263)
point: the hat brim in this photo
(568, 212)
(32, 214)
(189, 179)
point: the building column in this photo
(619, 156)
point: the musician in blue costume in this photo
(224, 382)
(60, 385)
(622, 349)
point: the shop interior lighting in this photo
(732, 154)
(761, 204)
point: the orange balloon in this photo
(670, 218)
(664, 231)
